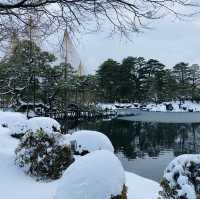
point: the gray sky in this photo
(168, 41)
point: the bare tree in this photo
(124, 16)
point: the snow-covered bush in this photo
(49, 125)
(97, 175)
(43, 155)
(86, 141)
(182, 178)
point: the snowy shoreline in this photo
(187, 106)
(16, 184)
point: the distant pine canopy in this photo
(140, 80)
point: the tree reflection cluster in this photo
(149, 140)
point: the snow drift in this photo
(98, 175)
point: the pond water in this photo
(146, 148)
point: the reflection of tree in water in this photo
(188, 139)
(140, 139)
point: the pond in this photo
(146, 148)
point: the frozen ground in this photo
(14, 184)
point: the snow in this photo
(101, 168)
(86, 140)
(185, 107)
(48, 124)
(15, 184)
(141, 188)
(11, 118)
(19, 128)
(106, 106)
(179, 167)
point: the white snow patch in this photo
(141, 188)
(11, 118)
(98, 175)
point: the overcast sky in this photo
(168, 41)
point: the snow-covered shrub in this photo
(97, 175)
(182, 178)
(49, 125)
(43, 155)
(86, 141)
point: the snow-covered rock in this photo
(49, 125)
(98, 175)
(106, 106)
(9, 119)
(86, 141)
(182, 178)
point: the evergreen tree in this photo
(195, 81)
(108, 74)
(25, 68)
(182, 73)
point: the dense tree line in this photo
(140, 80)
(29, 75)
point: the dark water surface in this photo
(146, 148)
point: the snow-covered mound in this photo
(15, 184)
(86, 141)
(98, 175)
(9, 119)
(182, 178)
(48, 124)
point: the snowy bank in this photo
(141, 188)
(14, 183)
(174, 106)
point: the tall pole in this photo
(31, 60)
(65, 77)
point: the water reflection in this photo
(146, 148)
